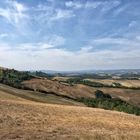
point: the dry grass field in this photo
(129, 95)
(126, 83)
(7, 92)
(27, 120)
(79, 90)
(21, 118)
(46, 85)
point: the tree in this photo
(100, 94)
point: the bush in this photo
(100, 94)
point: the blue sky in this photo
(70, 34)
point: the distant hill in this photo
(40, 82)
(94, 71)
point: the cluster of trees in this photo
(100, 94)
(91, 75)
(131, 76)
(41, 74)
(105, 101)
(13, 78)
(80, 80)
(85, 82)
(91, 83)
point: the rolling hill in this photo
(80, 90)
(49, 109)
(7, 92)
(23, 119)
(44, 86)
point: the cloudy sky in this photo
(69, 34)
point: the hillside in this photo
(13, 77)
(45, 85)
(23, 119)
(79, 90)
(49, 111)
(124, 83)
(37, 87)
(10, 93)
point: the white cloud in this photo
(138, 38)
(86, 49)
(132, 24)
(55, 40)
(72, 4)
(120, 9)
(3, 35)
(62, 59)
(49, 42)
(78, 5)
(118, 41)
(14, 12)
(48, 14)
(47, 55)
(105, 5)
(32, 47)
(61, 14)
(108, 5)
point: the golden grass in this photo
(77, 91)
(28, 120)
(8, 93)
(126, 83)
(23, 119)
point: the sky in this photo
(70, 34)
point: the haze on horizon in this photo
(70, 34)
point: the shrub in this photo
(100, 94)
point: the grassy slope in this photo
(126, 83)
(7, 92)
(22, 118)
(129, 95)
(58, 88)
(77, 91)
(29, 120)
